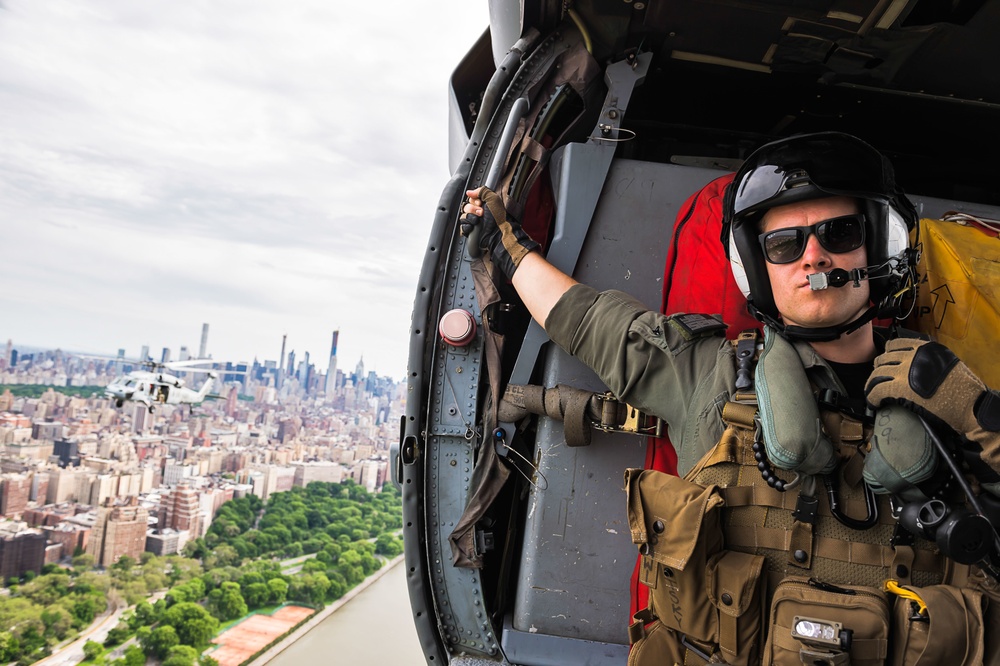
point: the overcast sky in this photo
(165, 164)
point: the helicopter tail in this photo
(207, 386)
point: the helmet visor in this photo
(834, 163)
(837, 235)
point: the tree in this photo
(124, 564)
(223, 555)
(159, 641)
(278, 588)
(144, 615)
(57, 621)
(134, 656)
(388, 545)
(195, 626)
(195, 548)
(84, 610)
(256, 595)
(116, 635)
(181, 655)
(91, 650)
(83, 562)
(228, 602)
(10, 648)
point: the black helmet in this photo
(814, 166)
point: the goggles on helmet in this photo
(837, 235)
(836, 165)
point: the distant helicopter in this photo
(152, 387)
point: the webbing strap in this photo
(800, 545)
(637, 630)
(758, 496)
(766, 496)
(739, 414)
(902, 563)
(728, 638)
(564, 403)
(872, 554)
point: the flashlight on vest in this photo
(821, 633)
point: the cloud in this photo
(267, 168)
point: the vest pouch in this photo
(675, 523)
(817, 623)
(949, 631)
(655, 644)
(735, 586)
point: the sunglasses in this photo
(837, 235)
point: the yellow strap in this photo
(897, 589)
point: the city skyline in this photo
(232, 169)
(155, 353)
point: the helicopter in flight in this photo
(155, 386)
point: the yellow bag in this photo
(958, 300)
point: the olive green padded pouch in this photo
(950, 631)
(789, 417)
(864, 611)
(902, 454)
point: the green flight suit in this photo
(654, 364)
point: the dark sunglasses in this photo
(837, 235)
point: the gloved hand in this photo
(929, 379)
(500, 235)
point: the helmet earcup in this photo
(897, 234)
(739, 272)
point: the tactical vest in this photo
(740, 573)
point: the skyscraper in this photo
(281, 361)
(165, 356)
(144, 353)
(331, 371)
(204, 342)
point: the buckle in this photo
(617, 416)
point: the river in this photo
(374, 628)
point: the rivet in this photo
(800, 556)
(727, 599)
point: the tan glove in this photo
(501, 235)
(929, 379)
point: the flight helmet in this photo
(814, 166)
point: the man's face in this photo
(796, 302)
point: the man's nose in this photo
(815, 254)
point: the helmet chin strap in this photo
(818, 334)
(828, 333)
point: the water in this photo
(373, 629)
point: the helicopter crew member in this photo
(817, 233)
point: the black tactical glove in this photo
(500, 235)
(929, 379)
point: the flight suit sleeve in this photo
(643, 357)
